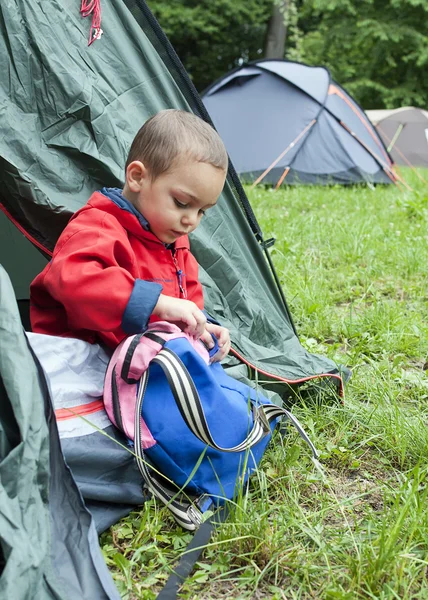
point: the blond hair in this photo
(172, 134)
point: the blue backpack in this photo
(198, 433)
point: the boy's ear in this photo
(136, 175)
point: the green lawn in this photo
(353, 263)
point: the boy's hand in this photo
(223, 337)
(184, 313)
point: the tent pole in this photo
(395, 137)
(397, 149)
(335, 90)
(283, 176)
(393, 176)
(291, 145)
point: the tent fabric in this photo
(69, 114)
(269, 107)
(98, 455)
(46, 555)
(74, 139)
(412, 115)
(405, 129)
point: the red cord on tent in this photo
(93, 7)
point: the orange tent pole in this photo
(283, 176)
(369, 126)
(276, 161)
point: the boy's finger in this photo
(207, 339)
(222, 353)
(224, 338)
(225, 349)
(200, 321)
(191, 325)
(210, 342)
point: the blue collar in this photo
(116, 196)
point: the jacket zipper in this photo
(179, 274)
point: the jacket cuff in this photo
(140, 306)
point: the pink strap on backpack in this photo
(129, 361)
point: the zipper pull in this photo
(180, 283)
(179, 275)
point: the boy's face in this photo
(175, 202)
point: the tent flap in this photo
(79, 110)
(46, 555)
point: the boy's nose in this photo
(189, 219)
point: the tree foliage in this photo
(213, 37)
(376, 49)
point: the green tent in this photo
(69, 113)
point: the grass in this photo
(353, 263)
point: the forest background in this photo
(376, 49)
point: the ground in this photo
(353, 265)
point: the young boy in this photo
(124, 259)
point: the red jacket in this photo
(106, 275)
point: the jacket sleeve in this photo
(193, 285)
(91, 276)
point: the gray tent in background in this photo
(405, 133)
(292, 123)
(69, 114)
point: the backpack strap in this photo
(188, 511)
(191, 409)
(189, 558)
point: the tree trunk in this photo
(276, 33)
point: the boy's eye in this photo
(179, 204)
(202, 212)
